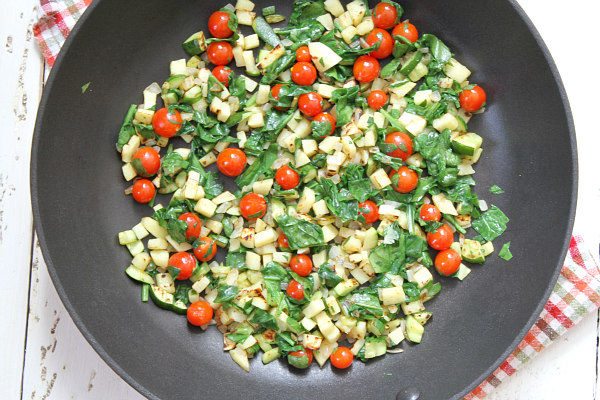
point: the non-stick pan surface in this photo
(121, 46)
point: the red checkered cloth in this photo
(576, 293)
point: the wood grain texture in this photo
(60, 364)
(21, 83)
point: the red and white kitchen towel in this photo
(576, 293)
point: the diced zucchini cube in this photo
(205, 207)
(135, 248)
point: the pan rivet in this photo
(408, 394)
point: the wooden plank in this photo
(60, 363)
(20, 80)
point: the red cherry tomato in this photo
(275, 94)
(253, 206)
(295, 290)
(143, 191)
(473, 99)
(184, 262)
(366, 69)
(301, 264)
(219, 53)
(218, 25)
(206, 249)
(199, 313)
(149, 159)
(386, 43)
(406, 30)
(287, 178)
(165, 123)
(301, 353)
(231, 161)
(384, 15)
(328, 118)
(222, 73)
(403, 143)
(441, 238)
(342, 357)
(377, 99)
(369, 210)
(430, 213)
(404, 180)
(194, 225)
(310, 104)
(304, 73)
(447, 262)
(283, 241)
(303, 54)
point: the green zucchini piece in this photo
(193, 95)
(275, 18)
(414, 330)
(195, 44)
(179, 307)
(265, 32)
(270, 10)
(139, 275)
(375, 349)
(472, 251)
(467, 144)
(411, 63)
(161, 298)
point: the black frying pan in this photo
(121, 46)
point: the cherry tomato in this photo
(447, 262)
(304, 73)
(287, 178)
(219, 53)
(377, 99)
(298, 360)
(143, 191)
(473, 99)
(206, 249)
(405, 181)
(218, 25)
(301, 264)
(194, 225)
(253, 206)
(199, 313)
(386, 43)
(283, 241)
(165, 123)
(222, 73)
(231, 161)
(384, 15)
(310, 104)
(295, 290)
(366, 69)
(406, 30)
(303, 54)
(275, 94)
(342, 357)
(149, 159)
(430, 213)
(369, 210)
(326, 117)
(403, 143)
(184, 262)
(441, 238)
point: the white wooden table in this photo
(43, 355)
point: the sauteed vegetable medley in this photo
(342, 132)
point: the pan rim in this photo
(104, 354)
